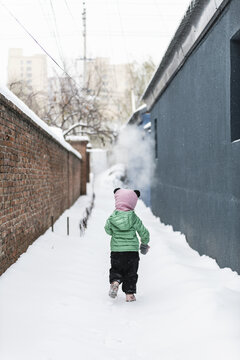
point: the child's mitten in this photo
(144, 248)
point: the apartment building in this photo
(29, 70)
(112, 84)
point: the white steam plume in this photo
(134, 149)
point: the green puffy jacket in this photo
(122, 226)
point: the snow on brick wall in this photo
(39, 178)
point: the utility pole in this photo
(84, 45)
(84, 58)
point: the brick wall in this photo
(81, 146)
(88, 169)
(39, 178)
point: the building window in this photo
(235, 87)
(156, 138)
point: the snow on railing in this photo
(87, 213)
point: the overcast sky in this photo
(123, 30)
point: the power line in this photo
(56, 33)
(70, 12)
(110, 41)
(77, 31)
(95, 34)
(46, 17)
(35, 40)
(84, 19)
(129, 65)
(134, 35)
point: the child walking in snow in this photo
(122, 225)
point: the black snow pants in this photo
(124, 267)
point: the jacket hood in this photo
(125, 199)
(122, 220)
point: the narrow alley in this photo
(54, 302)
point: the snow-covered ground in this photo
(54, 302)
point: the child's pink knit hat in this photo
(125, 199)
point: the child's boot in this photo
(130, 297)
(113, 289)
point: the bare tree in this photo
(33, 99)
(67, 104)
(139, 76)
(71, 105)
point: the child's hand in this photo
(144, 248)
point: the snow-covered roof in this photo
(147, 126)
(25, 109)
(77, 138)
(198, 19)
(134, 116)
(142, 107)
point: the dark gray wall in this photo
(197, 179)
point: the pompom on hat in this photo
(126, 199)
